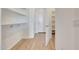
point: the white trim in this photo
(13, 45)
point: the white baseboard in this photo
(47, 42)
(13, 44)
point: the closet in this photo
(14, 26)
(22, 23)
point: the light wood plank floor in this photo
(38, 43)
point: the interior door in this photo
(48, 25)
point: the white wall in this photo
(0, 28)
(76, 28)
(39, 20)
(36, 21)
(64, 29)
(31, 22)
(15, 30)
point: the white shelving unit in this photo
(53, 22)
(13, 26)
(10, 16)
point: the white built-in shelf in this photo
(12, 16)
(21, 11)
(14, 23)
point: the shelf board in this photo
(13, 23)
(18, 10)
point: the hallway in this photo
(35, 44)
(18, 29)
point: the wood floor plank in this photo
(38, 43)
